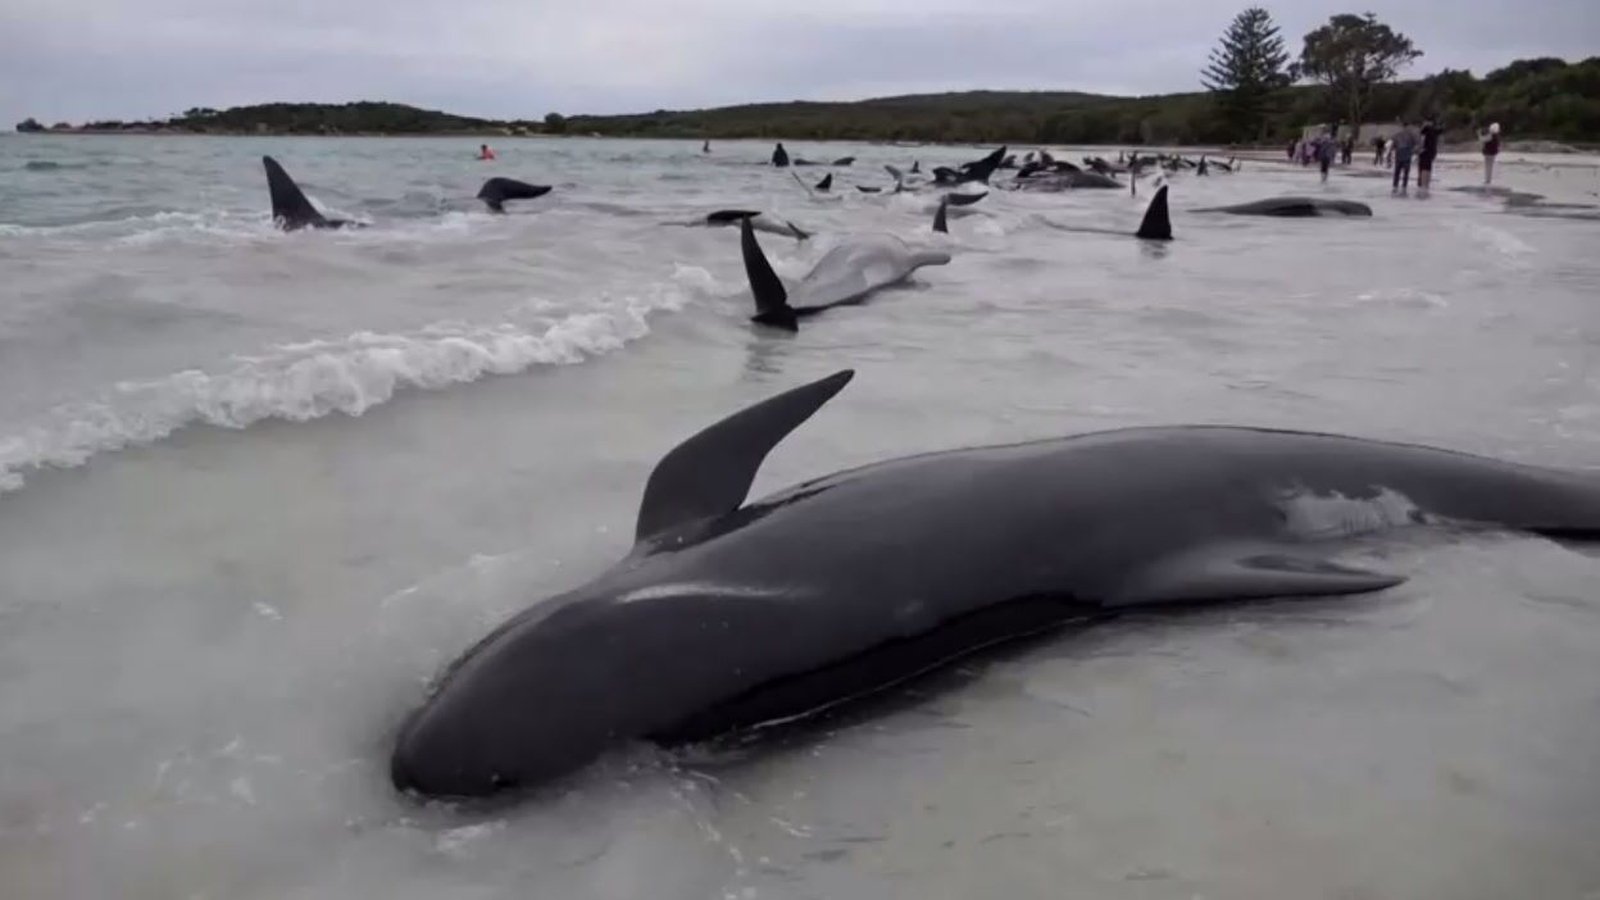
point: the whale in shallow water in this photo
(846, 275)
(977, 170)
(496, 191)
(730, 615)
(1155, 226)
(758, 220)
(1294, 207)
(291, 211)
(1062, 179)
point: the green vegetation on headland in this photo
(1531, 99)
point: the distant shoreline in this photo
(1264, 152)
(176, 132)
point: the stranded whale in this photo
(845, 275)
(730, 615)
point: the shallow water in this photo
(207, 634)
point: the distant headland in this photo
(1532, 99)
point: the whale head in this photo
(537, 698)
(642, 652)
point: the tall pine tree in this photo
(1245, 70)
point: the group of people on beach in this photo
(1397, 152)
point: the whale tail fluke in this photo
(1157, 224)
(772, 300)
(496, 191)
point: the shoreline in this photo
(1558, 148)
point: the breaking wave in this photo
(309, 380)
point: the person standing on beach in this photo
(780, 156)
(1491, 149)
(1430, 149)
(1404, 144)
(1326, 146)
(1377, 150)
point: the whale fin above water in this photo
(940, 224)
(1245, 572)
(826, 184)
(291, 210)
(772, 299)
(710, 473)
(496, 191)
(1157, 224)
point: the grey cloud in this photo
(80, 59)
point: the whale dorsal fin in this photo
(290, 208)
(710, 473)
(1157, 224)
(772, 301)
(939, 223)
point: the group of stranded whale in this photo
(729, 616)
(849, 273)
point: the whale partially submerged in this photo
(846, 275)
(727, 616)
(1065, 178)
(291, 211)
(1294, 207)
(1155, 226)
(758, 220)
(496, 191)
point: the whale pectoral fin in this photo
(710, 473)
(1235, 573)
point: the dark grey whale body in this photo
(1295, 207)
(291, 211)
(727, 615)
(847, 274)
(1066, 179)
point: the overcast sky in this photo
(81, 59)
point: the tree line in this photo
(1256, 93)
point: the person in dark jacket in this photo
(1405, 144)
(1430, 149)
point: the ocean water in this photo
(257, 488)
